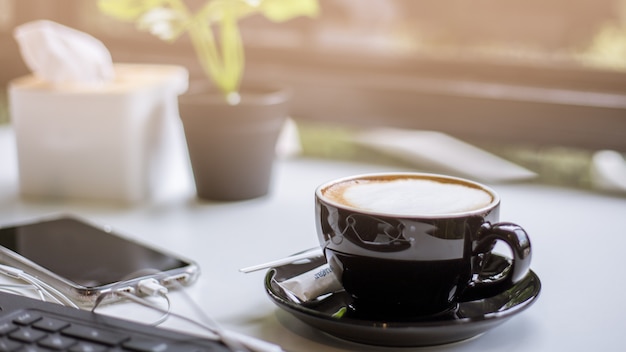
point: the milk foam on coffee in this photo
(409, 196)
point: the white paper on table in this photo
(439, 152)
(608, 171)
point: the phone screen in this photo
(83, 253)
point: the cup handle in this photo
(516, 238)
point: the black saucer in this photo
(471, 318)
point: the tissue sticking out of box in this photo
(61, 55)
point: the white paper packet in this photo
(311, 284)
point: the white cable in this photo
(15, 289)
(234, 343)
(11, 271)
(230, 338)
(151, 287)
(52, 292)
(43, 288)
(148, 287)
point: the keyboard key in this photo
(86, 347)
(50, 325)
(8, 345)
(57, 342)
(95, 335)
(7, 327)
(27, 335)
(143, 345)
(26, 318)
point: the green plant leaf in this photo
(217, 10)
(232, 53)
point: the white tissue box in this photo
(104, 143)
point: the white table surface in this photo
(578, 239)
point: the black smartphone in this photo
(83, 260)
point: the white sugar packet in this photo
(311, 284)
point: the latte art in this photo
(409, 196)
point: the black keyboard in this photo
(31, 325)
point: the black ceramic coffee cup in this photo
(413, 244)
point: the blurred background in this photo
(539, 82)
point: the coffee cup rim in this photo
(495, 201)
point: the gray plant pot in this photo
(232, 147)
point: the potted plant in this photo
(231, 136)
